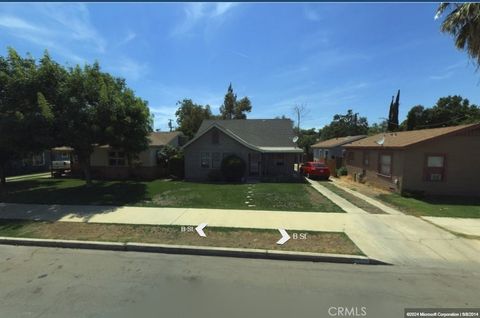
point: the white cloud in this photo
(61, 28)
(128, 68)
(197, 12)
(13, 22)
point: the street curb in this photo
(194, 250)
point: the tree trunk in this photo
(85, 164)
(3, 179)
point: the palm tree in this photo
(463, 22)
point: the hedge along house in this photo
(266, 145)
(332, 148)
(439, 161)
(109, 163)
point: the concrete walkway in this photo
(395, 239)
(378, 204)
(29, 176)
(335, 198)
(467, 226)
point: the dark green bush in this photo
(415, 194)
(175, 167)
(215, 175)
(233, 168)
(342, 171)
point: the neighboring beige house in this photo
(332, 148)
(266, 145)
(111, 163)
(439, 161)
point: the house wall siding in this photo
(225, 145)
(319, 153)
(370, 174)
(462, 170)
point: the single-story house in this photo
(109, 163)
(332, 148)
(438, 161)
(266, 145)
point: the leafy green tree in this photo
(393, 113)
(463, 23)
(306, 138)
(448, 111)
(190, 116)
(132, 123)
(415, 117)
(26, 117)
(350, 124)
(242, 106)
(233, 109)
(377, 128)
(227, 110)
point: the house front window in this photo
(435, 168)
(116, 158)
(385, 165)
(205, 159)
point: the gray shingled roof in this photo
(257, 132)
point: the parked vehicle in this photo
(315, 170)
(60, 167)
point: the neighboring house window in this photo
(366, 158)
(326, 154)
(278, 159)
(205, 159)
(39, 159)
(216, 160)
(215, 137)
(385, 164)
(435, 168)
(116, 158)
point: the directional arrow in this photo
(200, 228)
(285, 237)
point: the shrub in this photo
(175, 167)
(233, 168)
(342, 171)
(215, 175)
(414, 194)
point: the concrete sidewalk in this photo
(395, 239)
(467, 226)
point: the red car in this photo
(315, 169)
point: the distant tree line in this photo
(44, 104)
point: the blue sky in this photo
(329, 57)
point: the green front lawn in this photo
(435, 206)
(264, 196)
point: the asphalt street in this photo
(50, 282)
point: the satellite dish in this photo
(380, 141)
(295, 138)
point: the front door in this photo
(254, 164)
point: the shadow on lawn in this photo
(451, 200)
(100, 197)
